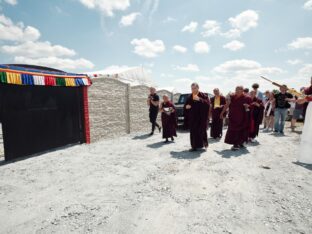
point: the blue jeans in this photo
(279, 119)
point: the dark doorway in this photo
(39, 118)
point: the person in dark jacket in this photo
(168, 119)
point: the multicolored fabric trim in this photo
(27, 78)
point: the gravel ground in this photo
(137, 184)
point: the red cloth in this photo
(169, 122)
(256, 116)
(50, 80)
(217, 122)
(307, 91)
(309, 99)
(237, 132)
(198, 120)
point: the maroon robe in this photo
(256, 116)
(198, 120)
(217, 122)
(307, 91)
(169, 122)
(237, 132)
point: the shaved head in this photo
(239, 90)
(195, 88)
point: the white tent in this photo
(170, 89)
(130, 75)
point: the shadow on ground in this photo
(214, 141)
(278, 135)
(304, 165)
(141, 137)
(159, 144)
(186, 154)
(253, 144)
(230, 153)
(40, 154)
(297, 131)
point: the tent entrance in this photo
(40, 118)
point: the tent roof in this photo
(170, 89)
(112, 70)
(129, 75)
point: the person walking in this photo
(153, 103)
(282, 100)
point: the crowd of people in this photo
(245, 110)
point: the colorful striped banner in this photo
(17, 78)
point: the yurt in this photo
(42, 109)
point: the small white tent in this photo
(130, 75)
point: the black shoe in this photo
(159, 129)
(172, 139)
(193, 150)
(151, 134)
(166, 141)
(235, 147)
(242, 146)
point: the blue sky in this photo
(217, 43)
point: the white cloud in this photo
(169, 19)
(245, 67)
(182, 84)
(237, 66)
(244, 72)
(27, 49)
(234, 45)
(301, 43)
(167, 75)
(239, 24)
(201, 47)
(305, 71)
(55, 62)
(180, 49)
(11, 2)
(16, 32)
(232, 33)
(294, 61)
(107, 6)
(149, 65)
(128, 20)
(146, 48)
(211, 27)
(191, 27)
(188, 68)
(245, 20)
(308, 5)
(37, 49)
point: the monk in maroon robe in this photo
(238, 105)
(307, 91)
(168, 119)
(217, 104)
(256, 116)
(197, 105)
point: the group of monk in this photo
(246, 111)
